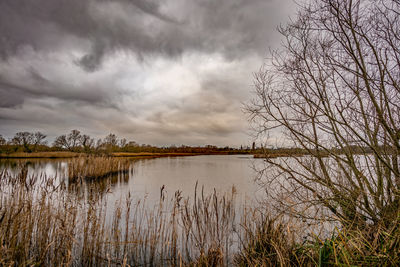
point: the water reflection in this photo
(146, 177)
(126, 207)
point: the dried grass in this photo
(96, 167)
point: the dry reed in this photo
(47, 154)
(41, 223)
(96, 167)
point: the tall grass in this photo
(46, 154)
(268, 240)
(44, 221)
(41, 223)
(96, 167)
(271, 241)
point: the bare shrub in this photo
(333, 91)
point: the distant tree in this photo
(86, 142)
(122, 143)
(75, 141)
(2, 140)
(71, 141)
(61, 142)
(74, 138)
(24, 139)
(99, 143)
(38, 139)
(111, 140)
(133, 144)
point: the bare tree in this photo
(122, 143)
(61, 142)
(133, 144)
(2, 140)
(334, 91)
(38, 139)
(111, 140)
(86, 142)
(71, 141)
(74, 138)
(24, 139)
(99, 143)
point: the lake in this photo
(148, 215)
(219, 172)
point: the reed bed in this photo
(47, 154)
(272, 241)
(96, 167)
(44, 221)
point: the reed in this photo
(96, 167)
(44, 221)
(46, 154)
(272, 241)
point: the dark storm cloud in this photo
(14, 92)
(230, 27)
(149, 7)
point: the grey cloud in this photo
(233, 28)
(152, 8)
(90, 64)
(14, 92)
(12, 95)
(9, 97)
(215, 110)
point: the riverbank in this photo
(66, 154)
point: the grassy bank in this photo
(49, 154)
(65, 154)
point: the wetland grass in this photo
(96, 167)
(42, 223)
(47, 221)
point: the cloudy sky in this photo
(157, 72)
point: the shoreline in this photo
(66, 154)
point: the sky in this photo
(155, 72)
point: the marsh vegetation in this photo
(331, 93)
(96, 167)
(45, 222)
(51, 220)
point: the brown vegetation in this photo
(67, 154)
(44, 224)
(49, 154)
(96, 167)
(333, 91)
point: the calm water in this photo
(221, 172)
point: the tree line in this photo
(75, 141)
